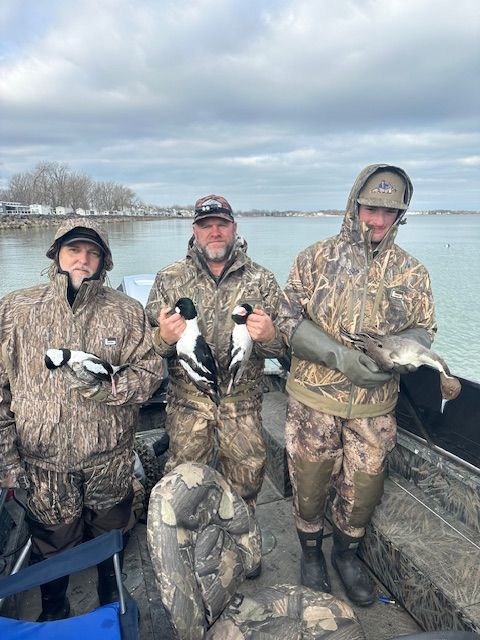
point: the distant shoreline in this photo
(38, 221)
(33, 222)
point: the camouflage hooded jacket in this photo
(241, 281)
(42, 419)
(341, 281)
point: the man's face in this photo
(215, 238)
(80, 260)
(379, 219)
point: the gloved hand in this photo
(361, 369)
(418, 334)
(310, 343)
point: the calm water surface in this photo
(447, 245)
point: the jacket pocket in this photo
(39, 430)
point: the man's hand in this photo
(171, 325)
(260, 326)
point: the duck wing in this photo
(372, 345)
(200, 365)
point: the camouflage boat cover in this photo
(287, 612)
(202, 539)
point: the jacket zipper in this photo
(362, 311)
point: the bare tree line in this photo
(55, 184)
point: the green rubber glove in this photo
(310, 343)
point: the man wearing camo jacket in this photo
(67, 442)
(217, 275)
(340, 419)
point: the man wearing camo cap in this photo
(340, 419)
(217, 275)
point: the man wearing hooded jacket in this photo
(340, 418)
(217, 275)
(68, 443)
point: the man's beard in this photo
(217, 255)
(76, 280)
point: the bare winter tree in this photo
(109, 196)
(101, 196)
(123, 197)
(20, 188)
(55, 184)
(78, 191)
(50, 180)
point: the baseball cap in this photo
(213, 206)
(82, 234)
(384, 189)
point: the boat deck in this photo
(389, 549)
(280, 566)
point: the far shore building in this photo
(41, 210)
(14, 209)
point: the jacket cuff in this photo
(274, 348)
(161, 347)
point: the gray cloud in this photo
(278, 104)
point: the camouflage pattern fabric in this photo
(242, 281)
(195, 425)
(351, 452)
(235, 428)
(153, 466)
(344, 282)
(56, 497)
(202, 540)
(138, 503)
(44, 422)
(287, 612)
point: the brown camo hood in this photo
(352, 229)
(72, 223)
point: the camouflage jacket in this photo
(42, 419)
(341, 281)
(241, 281)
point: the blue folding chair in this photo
(115, 621)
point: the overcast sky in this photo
(275, 104)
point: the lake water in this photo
(447, 245)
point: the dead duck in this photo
(241, 344)
(390, 350)
(194, 353)
(88, 367)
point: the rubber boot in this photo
(313, 569)
(358, 584)
(107, 587)
(55, 604)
